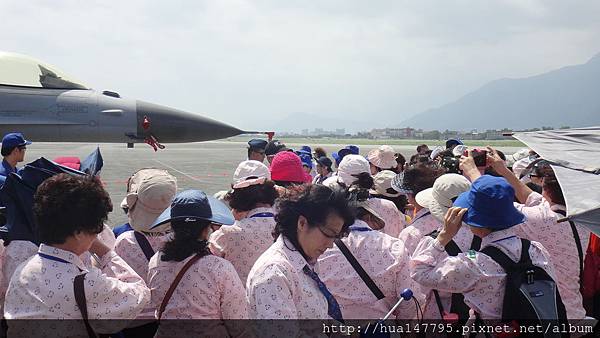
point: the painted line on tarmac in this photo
(181, 172)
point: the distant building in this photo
(396, 133)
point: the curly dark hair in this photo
(400, 159)
(315, 203)
(359, 189)
(185, 241)
(244, 199)
(64, 205)
(419, 177)
(363, 181)
(420, 159)
(320, 152)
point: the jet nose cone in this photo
(172, 125)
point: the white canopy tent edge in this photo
(575, 157)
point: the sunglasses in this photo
(330, 234)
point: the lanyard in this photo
(357, 228)
(263, 214)
(501, 239)
(421, 216)
(52, 258)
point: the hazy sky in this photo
(250, 63)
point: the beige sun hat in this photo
(383, 157)
(372, 206)
(150, 192)
(382, 184)
(250, 173)
(439, 198)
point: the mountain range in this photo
(569, 96)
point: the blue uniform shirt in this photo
(5, 170)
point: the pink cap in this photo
(287, 166)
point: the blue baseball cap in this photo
(12, 140)
(490, 204)
(306, 159)
(353, 149)
(303, 152)
(347, 150)
(257, 144)
(194, 205)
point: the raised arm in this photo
(522, 191)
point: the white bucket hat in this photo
(383, 157)
(250, 173)
(439, 198)
(382, 183)
(352, 165)
(150, 193)
(519, 155)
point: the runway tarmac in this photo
(207, 166)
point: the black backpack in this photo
(531, 296)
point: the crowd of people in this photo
(297, 235)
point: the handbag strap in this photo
(174, 284)
(144, 244)
(578, 245)
(359, 269)
(79, 290)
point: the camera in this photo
(479, 157)
(451, 164)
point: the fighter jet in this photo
(47, 105)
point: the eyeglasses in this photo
(330, 234)
(23, 148)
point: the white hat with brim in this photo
(250, 173)
(351, 166)
(519, 155)
(439, 198)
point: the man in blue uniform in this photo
(13, 152)
(256, 149)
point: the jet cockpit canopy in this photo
(23, 71)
